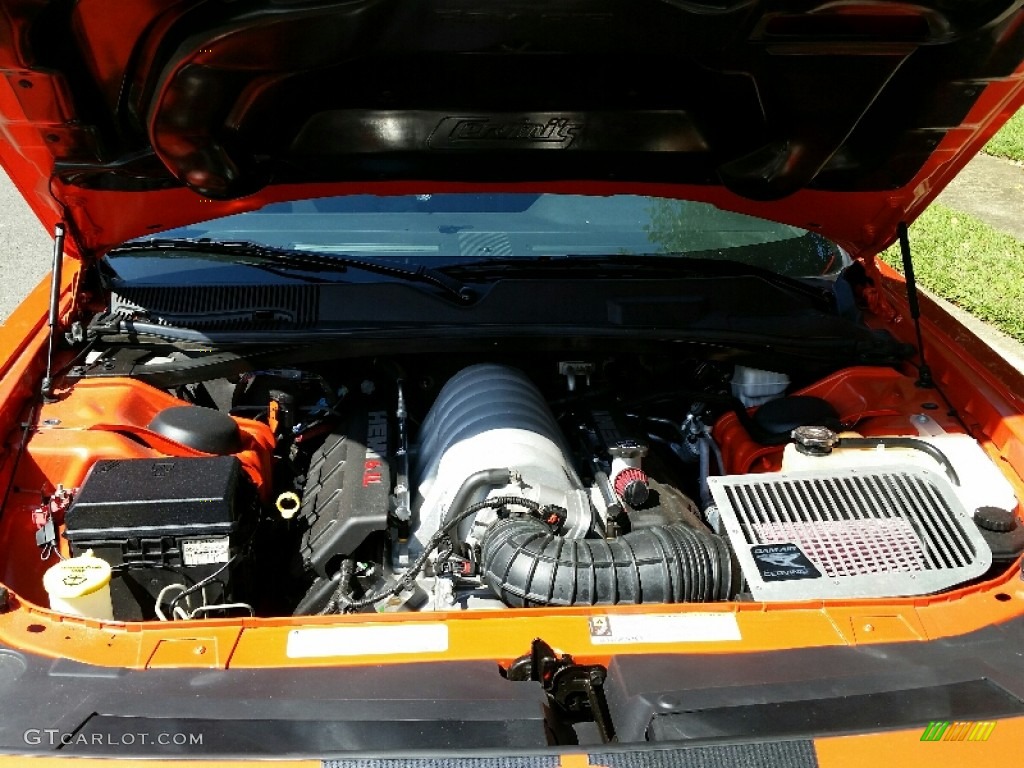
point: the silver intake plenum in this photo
(493, 417)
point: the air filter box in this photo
(164, 521)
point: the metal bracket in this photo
(575, 691)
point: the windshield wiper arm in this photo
(259, 255)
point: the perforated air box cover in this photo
(857, 532)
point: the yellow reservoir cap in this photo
(77, 576)
(80, 586)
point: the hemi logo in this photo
(959, 731)
(376, 448)
(377, 433)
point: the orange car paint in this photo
(81, 428)
(63, 454)
(854, 220)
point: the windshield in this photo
(449, 229)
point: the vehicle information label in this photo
(664, 628)
(205, 551)
(367, 641)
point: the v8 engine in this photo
(504, 510)
(546, 483)
(491, 433)
(499, 500)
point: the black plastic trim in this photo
(771, 754)
(474, 711)
(518, 761)
(967, 700)
(782, 754)
(269, 737)
(820, 690)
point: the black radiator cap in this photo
(204, 429)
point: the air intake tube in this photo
(527, 565)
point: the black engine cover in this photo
(347, 491)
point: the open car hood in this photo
(841, 117)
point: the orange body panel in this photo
(872, 401)
(880, 401)
(92, 420)
(45, 445)
(504, 635)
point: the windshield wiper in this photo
(638, 265)
(275, 258)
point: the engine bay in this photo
(424, 484)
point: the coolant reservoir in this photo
(981, 483)
(794, 460)
(756, 387)
(80, 586)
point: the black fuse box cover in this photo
(156, 497)
(164, 521)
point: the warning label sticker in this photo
(783, 562)
(663, 628)
(205, 551)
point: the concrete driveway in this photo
(26, 247)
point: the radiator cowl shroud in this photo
(862, 532)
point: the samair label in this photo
(783, 562)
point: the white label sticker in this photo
(365, 641)
(205, 551)
(664, 628)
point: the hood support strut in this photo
(924, 373)
(54, 316)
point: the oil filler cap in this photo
(995, 519)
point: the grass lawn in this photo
(1009, 142)
(967, 262)
(962, 259)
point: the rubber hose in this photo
(704, 454)
(485, 478)
(904, 442)
(527, 565)
(325, 594)
(716, 452)
(317, 595)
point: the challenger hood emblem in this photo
(515, 131)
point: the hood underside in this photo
(844, 117)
